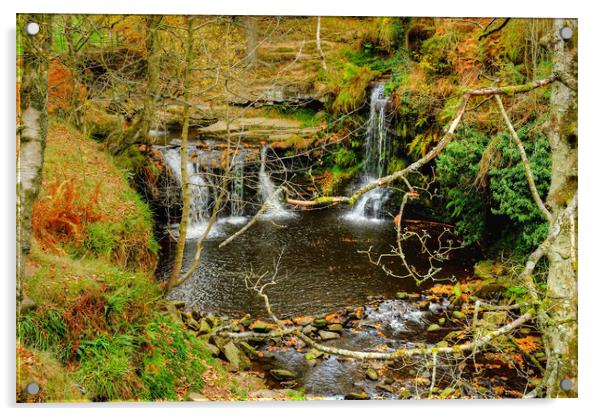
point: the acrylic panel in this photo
(230, 208)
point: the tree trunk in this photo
(177, 267)
(140, 134)
(560, 330)
(32, 122)
(250, 25)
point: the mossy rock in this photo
(281, 374)
(371, 374)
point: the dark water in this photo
(320, 269)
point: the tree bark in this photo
(177, 267)
(560, 330)
(250, 25)
(32, 122)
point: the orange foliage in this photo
(528, 343)
(62, 216)
(60, 87)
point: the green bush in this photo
(484, 186)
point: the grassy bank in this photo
(100, 329)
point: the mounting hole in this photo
(32, 28)
(566, 384)
(32, 388)
(566, 32)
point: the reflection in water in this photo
(321, 269)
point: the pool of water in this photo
(321, 267)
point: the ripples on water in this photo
(321, 269)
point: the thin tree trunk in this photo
(177, 267)
(250, 25)
(319, 45)
(32, 121)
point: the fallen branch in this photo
(248, 225)
(525, 159)
(410, 352)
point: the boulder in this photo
(248, 349)
(459, 315)
(260, 326)
(371, 374)
(303, 320)
(204, 327)
(433, 327)
(281, 374)
(238, 360)
(309, 329)
(335, 327)
(362, 395)
(197, 397)
(327, 335)
(320, 323)
(313, 353)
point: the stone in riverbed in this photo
(303, 320)
(281, 374)
(357, 396)
(433, 328)
(248, 349)
(238, 360)
(204, 327)
(327, 335)
(335, 327)
(387, 388)
(260, 326)
(313, 353)
(320, 323)
(371, 374)
(245, 321)
(179, 304)
(459, 315)
(309, 329)
(402, 295)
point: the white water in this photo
(377, 148)
(268, 192)
(200, 194)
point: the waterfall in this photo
(268, 190)
(377, 148)
(200, 195)
(237, 203)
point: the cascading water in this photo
(377, 149)
(237, 203)
(268, 191)
(200, 194)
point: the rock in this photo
(405, 394)
(442, 344)
(402, 295)
(260, 326)
(327, 335)
(248, 349)
(213, 350)
(335, 327)
(265, 356)
(320, 323)
(433, 327)
(232, 354)
(204, 327)
(371, 374)
(448, 391)
(197, 397)
(303, 320)
(245, 321)
(452, 335)
(313, 353)
(196, 315)
(387, 388)
(309, 329)
(459, 315)
(219, 342)
(312, 363)
(441, 321)
(388, 380)
(281, 374)
(357, 396)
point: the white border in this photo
(590, 288)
